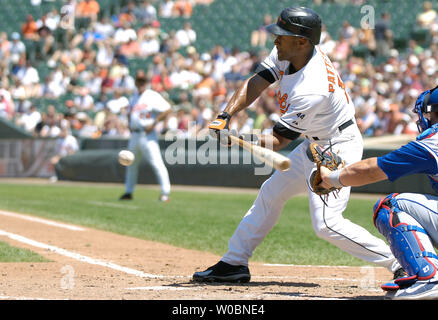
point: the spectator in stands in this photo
(101, 116)
(209, 77)
(366, 119)
(5, 47)
(45, 38)
(383, 35)
(29, 119)
(427, 17)
(104, 28)
(105, 53)
(184, 119)
(145, 13)
(234, 74)
(260, 35)
(327, 44)
(125, 83)
(118, 102)
(7, 105)
(29, 28)
(183, 8)
(88, 9)
(130, 49)
(186, 36)
(84, 101)
(348, 32)
(341, 50)
(127, 13)
(18, 49)
(166, 8)
(66, 145)
(124, 33)
(149, 43)
(86, 128)
(366, 38)
(29, 78)
(53, 19)
(51, 128)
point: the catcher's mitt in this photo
(326, 158)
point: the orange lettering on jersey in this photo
(331, 78)
(282, 102)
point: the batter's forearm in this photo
(361, 173)
(247, 93)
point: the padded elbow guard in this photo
(408, 241)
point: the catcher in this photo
(409, 221)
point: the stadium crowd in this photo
(91, 65)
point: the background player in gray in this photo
(147, 108)
(409, 221)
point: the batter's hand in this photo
(220, 128)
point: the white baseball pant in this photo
(327, 221)
(147, 147)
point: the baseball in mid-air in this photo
(126, 157)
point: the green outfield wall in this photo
(196, 165)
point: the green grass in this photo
(196, 220)
(13, 254)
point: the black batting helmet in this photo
(299, 22)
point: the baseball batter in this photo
(409, 221)
(313, 103)
(147, 108)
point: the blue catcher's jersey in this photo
(420, 156)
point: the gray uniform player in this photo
(147, 108)
(409, 221)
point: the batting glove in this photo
(220, 128)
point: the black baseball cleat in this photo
(223, 272)
(399, 273)
(392, 285)
(126, 196)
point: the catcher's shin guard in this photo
(408, 241)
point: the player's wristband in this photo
(334, 179)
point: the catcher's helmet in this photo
(426, 102)
(299, 22)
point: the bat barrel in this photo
(268, 156)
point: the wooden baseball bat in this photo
(270, 157)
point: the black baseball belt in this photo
(342, 127)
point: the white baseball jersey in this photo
(313, 100)
(146, 108)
